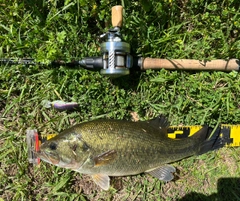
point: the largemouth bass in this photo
(103, 148)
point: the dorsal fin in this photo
(160, 122)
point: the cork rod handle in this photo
(117, 16)
(191, 64)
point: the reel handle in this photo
(117, 16)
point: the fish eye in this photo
(53, 146)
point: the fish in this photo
(105, 147)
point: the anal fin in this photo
(165, 172)
(102, 180)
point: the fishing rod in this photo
(116, 59)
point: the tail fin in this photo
(208, 141)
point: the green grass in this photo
(48, 30)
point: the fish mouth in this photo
(54, 160)
(47, 157)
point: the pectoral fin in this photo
(102, 180)
(105, 158)
(164, 173)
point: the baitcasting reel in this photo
(116, 54)
(116, 59)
